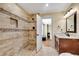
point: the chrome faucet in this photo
(67, 34)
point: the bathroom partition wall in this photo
(39, 33)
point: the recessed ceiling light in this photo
(47, 5)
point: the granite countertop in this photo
(60, 35)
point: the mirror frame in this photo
(75, 22)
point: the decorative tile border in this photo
(8, 39)
(13, 30)
(10, 30)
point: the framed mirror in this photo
(71, 23)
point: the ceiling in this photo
(41, 8)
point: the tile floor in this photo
(46, 50)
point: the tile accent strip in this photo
(13, 30)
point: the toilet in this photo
(66, 54)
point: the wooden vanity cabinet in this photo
(69, 45)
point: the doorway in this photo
(46, 29)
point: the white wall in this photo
(57, 20)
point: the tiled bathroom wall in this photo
(15, 33)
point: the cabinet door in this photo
(69, 45)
